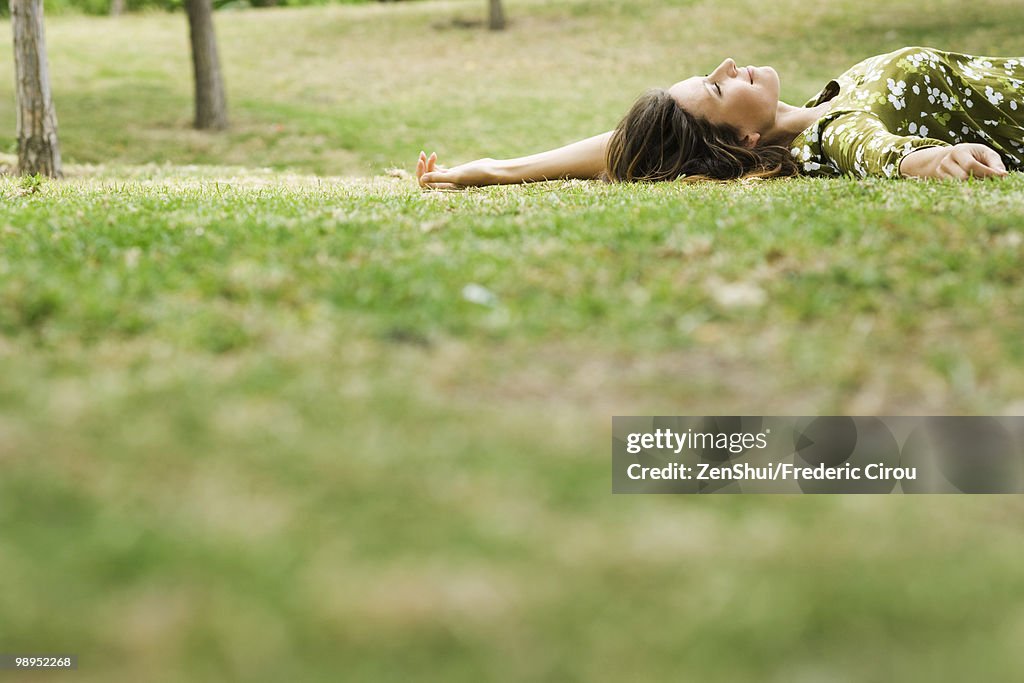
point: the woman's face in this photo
(746, 98)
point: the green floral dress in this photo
(890, 105)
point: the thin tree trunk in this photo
(211, 105)
(116, 8)
(38, 149)
(496, 21)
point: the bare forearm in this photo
(583, 159)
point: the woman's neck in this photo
(790, 121)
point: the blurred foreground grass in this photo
(260, 425)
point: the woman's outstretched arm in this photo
(583, 159)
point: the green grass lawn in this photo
(282, 416)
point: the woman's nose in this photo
(726, 68)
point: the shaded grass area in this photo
(259, 426)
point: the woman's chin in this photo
(772, 76)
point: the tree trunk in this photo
(38, 149)
(211, 105)
(116, 8)
(497, 16)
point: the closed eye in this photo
(718, 88)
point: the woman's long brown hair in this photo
(659, 140)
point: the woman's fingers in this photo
(431, 177)
(978, 169)
(426, 167)
(429, 174)
(954, 171)
(991, 159)
(434, 177)
(439, 180)
(974, 160)
(965, 161)
(421, 167)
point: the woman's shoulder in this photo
(912, 57)
(880, 72)
(922, 57)
(921, 52)
(876, 68)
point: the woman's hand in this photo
(472, 174)
(958, 162)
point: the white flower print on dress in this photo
(896, 92)
(993, 96)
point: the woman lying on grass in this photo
(915, 112)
